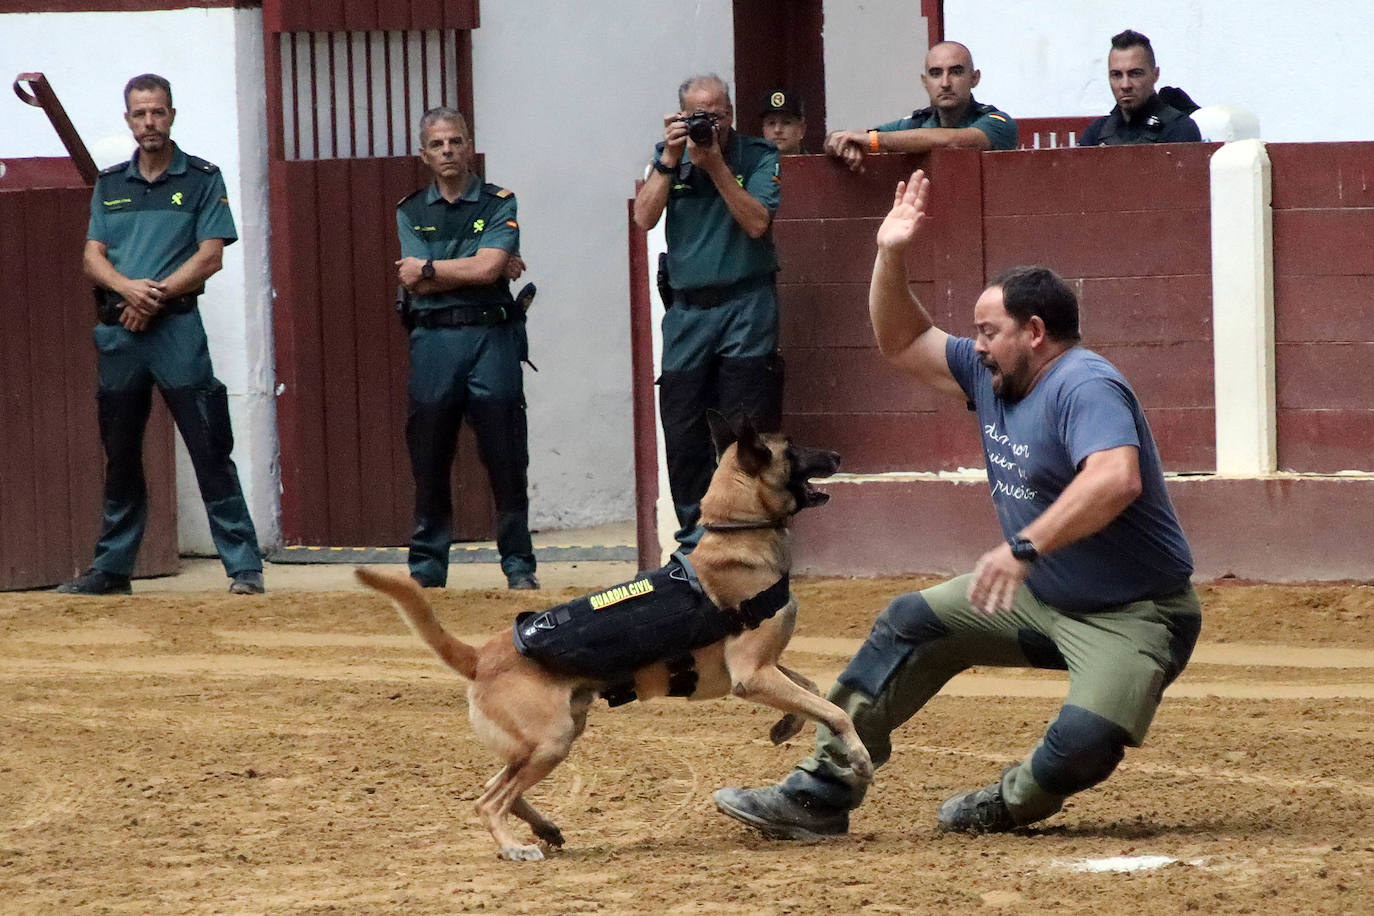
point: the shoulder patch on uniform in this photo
(409, 196)
(202, 164)
(504, 192)
(117, 167)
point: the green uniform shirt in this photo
(151, 228)
(431, 227)
(706, 246)
(997, 125)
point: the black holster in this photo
(402, 306)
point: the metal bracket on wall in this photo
(41, 95)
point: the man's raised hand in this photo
(908, 212)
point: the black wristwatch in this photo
(427, 272)
(1023, 550)
(664, 168)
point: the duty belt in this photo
(457, 316)
(708, 297)
(109, 305)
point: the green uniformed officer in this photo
(159, 225)
(459, 238)
(720, 330)
(954, 118)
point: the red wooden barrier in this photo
(1323, 200)
(51, 463)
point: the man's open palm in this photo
(908, 212)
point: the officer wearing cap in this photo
(720, 330)
(784, 121)
(954, 119)
(459, 237)
(159, 224)
(1140, 115)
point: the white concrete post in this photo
(1243, 308)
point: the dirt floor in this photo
(187, 753)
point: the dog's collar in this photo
(747, 526)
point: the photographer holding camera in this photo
(720, 330)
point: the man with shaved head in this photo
(954, 118)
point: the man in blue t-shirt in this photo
(1093, 577)
(954, 119)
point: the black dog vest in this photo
(662, 616)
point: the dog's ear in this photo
(753, 453)
(723, 435)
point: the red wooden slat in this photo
(360, 15)
(374, 323)
(1323, 242)
(426, 14)
(1323, 308)
(461, 14)
(825, 314)
(943, 440)
(296, 268)
(1138, 309)
(829, 251)
(1113, 179)
(648, 549)
(325, 15)
(1177, 374)
(858, 380)
(399, 179)
(1307, 175)
(20, 565)
(819, 187)
(954, 236)
(39, 172)
(1325, 440)
(1163, 242)
(1185, 437)
(339, 360)
(1324, 375)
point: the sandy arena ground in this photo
(186, 751)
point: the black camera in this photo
(701, 127)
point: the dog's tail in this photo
(410, 600)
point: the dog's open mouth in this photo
(810, 497)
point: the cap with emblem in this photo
(783, 101)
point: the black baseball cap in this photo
(785, 101)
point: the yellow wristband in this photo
(873, 141)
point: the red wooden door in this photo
(347, 82)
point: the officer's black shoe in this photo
(979, 811)
(247, 582)
(522, 581)
(780, 816)
(97, 582)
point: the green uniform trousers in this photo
(1119, 661)
(471, 371)
(173, 355)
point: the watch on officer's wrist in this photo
(427, 272)
(664, 168)
(1023, 550)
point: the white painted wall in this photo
(213, 59)
(569, 102)
(873, 58)
(1300, 67)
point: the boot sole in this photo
(775, 831)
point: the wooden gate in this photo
(347, 81)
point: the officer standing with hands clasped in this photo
(720, 330)
(459, 237)
(159, 225)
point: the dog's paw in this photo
(551, 835)
(522, 853)
(861, 763)
(786, 727)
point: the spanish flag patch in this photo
(513, 224)
(997, 117)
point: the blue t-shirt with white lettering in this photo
(1034, 447)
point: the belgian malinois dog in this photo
(530, 713)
